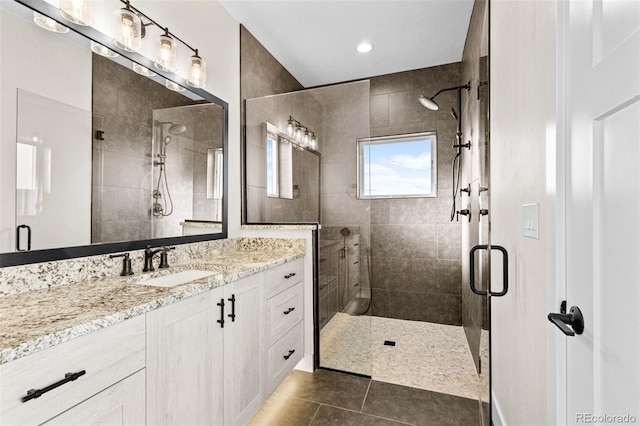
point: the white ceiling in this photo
(316, 39)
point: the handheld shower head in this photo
(428, 102)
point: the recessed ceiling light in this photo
(365, 47)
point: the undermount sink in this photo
(178, 278)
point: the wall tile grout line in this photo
(365, 395)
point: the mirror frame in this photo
(46, 255)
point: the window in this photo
(400, 166)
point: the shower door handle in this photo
(505, 270)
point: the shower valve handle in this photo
(464, 212)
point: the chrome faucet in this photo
(148, 259)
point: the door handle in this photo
(563, 320)
(28, 228)
(505, 270)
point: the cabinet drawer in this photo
(107, 356)
(284, 311)
(284, 355)
(284, 276)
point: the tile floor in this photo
(426, 356)
(329, 398)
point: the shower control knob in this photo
(463, 212)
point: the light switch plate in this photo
(530, 220)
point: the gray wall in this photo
(123, 103)
(416, 249)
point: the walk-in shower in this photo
(163, 203)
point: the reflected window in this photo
(400, 166)
(272, 166)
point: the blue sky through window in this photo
(397, 167)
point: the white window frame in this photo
(363, 142)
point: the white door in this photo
(602, 220)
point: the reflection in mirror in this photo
(154, 168)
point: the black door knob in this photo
(573, 318)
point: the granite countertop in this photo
(40, 319)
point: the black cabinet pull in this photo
(355, 263)
(291, 352)
(288, 311)
(232, 315)
(221, 320)
(293, 274)
(28, 228)
(37, 393)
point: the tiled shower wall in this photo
(123, 102)
(416, 249)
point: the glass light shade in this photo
(166, 53)
(143, 70)
(127, 30)
(197, 72)
(298, 133)
(290, 127)
(305, 138)
(173, 86)
(314, 142)
(77, 11)
(102, 51)
(48, 23)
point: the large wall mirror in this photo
(94, 157)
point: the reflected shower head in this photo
(428, 102)
(174, 129)
(177, 129)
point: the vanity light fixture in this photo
(197, 71)
(166, 52)
(173, 86)
(313, 143)
(306, 137)
(290, 126)
(49, 24)
(127, 28)
(143, 70)
(102, 51)
(299, 132)
(77, 11)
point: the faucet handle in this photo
(126, 263)
(164, 257)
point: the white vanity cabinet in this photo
(185, 362)
(107, 357)
(285, 311)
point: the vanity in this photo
(206, 351)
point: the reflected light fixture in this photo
(143, 70)
(298, 133)
(313, 144)
(49, 24)
(364, 47)
(77, 11)
(127, 29)
(290, 126)
(102, 51)
(171, 85)
(197, 71)
(166, 52)
(305, 138)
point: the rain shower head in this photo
(428, 102)
(174, 129)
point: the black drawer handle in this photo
(356, 244)
(288, 311)
(37, 393)
(355, 263)
(291, 352)
(293, 274)
(221, 320)
(323, 260)
(232, 315)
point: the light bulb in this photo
(49, 24)
(166, 53)
(127, 28)
(197, 71)
(77, 11)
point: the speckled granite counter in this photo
(39, 319)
